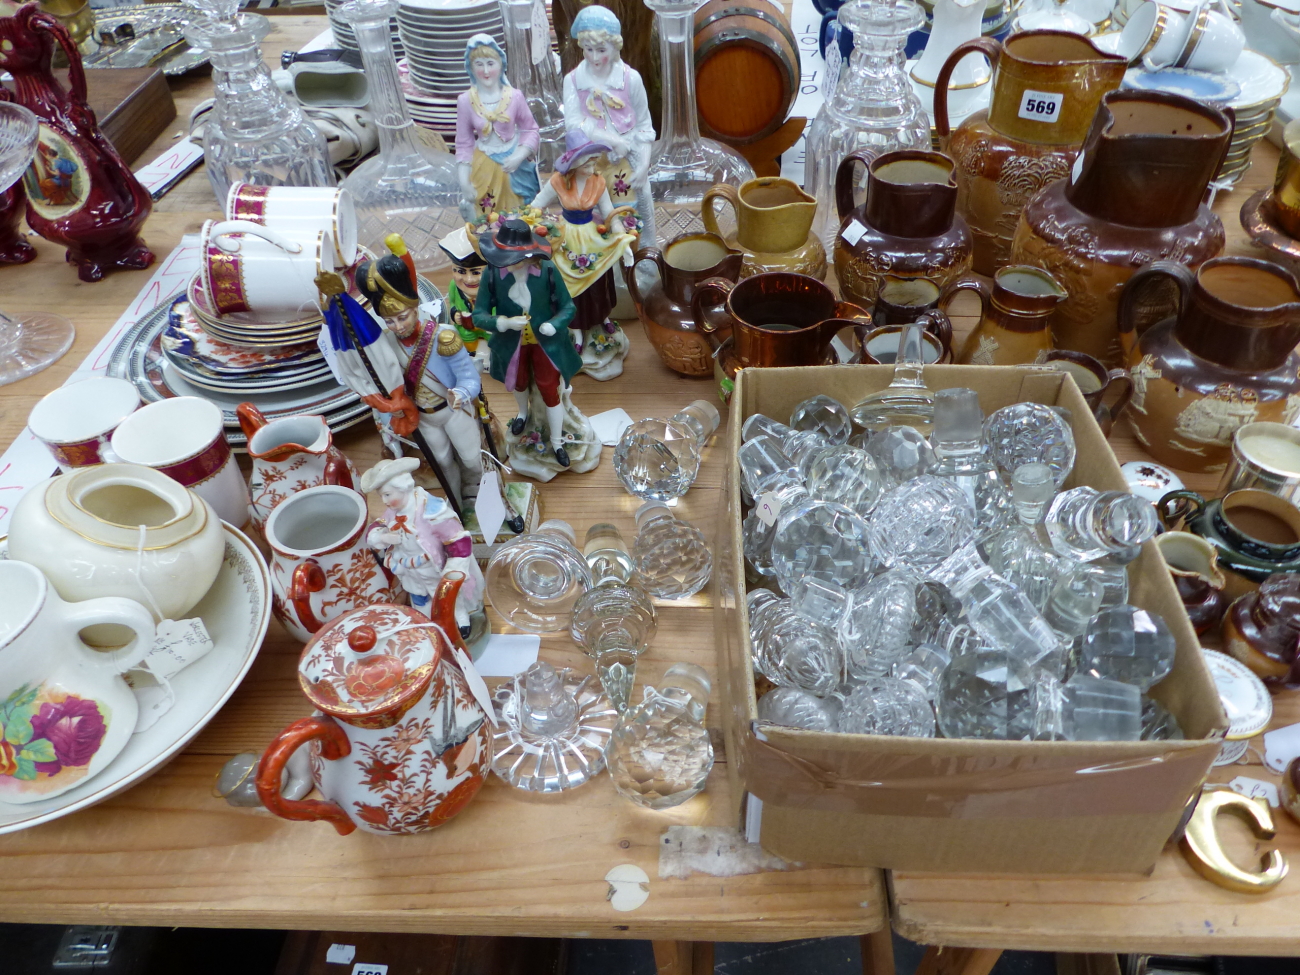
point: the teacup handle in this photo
(629, 273)
(704, 313)
(117, 610)
(334, 745)
(220, 231)
(308, 577)
(728, 194)
(1119, 379)
(1176, 508)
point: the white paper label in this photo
(489, 507)
(176, 645)
(507, 654)
(833, 61)
(1076, 169)
(476, 685)
(853, 232)
(767, 507)
(340, 954)
(541, 39)
(1041, 106)
(609, 426)
(167, 170)
(1255, 789)
(1280, 746)
(362, 968)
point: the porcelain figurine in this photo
(290, 454)
(422, 541)
(466, 275)
(401, 744)
(1262, 629)
(439, 375)
(496, 136)
(80, 192)
(524, 303)
(589, 243)
(605, 99)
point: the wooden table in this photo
(168, 853)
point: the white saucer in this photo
(1261, 79)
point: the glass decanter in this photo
(872, 105)
(683, 165)
(964, 460)
(553, 727)
(535, 580)
(613, 621)
(658, 460)
(408, 187)
(660, 754)
(33, 343)
(671, 556)
(906, 401)
(254, 134)
(532, 70)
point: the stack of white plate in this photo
(344, 36)
(437, 112)
(434, 33)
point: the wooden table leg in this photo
(683, 957)
(940, 960)
(878, 952)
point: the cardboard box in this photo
(958, 805)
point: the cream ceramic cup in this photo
(300, 211)
(250, 268)
(1214, 41)
(185, 438)
(76, 421)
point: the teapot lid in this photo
(367, 663)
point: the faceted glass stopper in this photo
(1128, 644)
(763, 464)
(876, 630)
(902, 452)
(887, 706)
(825, 415)
(660, 754)
(1030, 433)
(790, 649)
(846, 475)
(822, 541)
(957, 419)
(757, 424)
(986, 694)
(672, 558)
(921, 522)
(796, 708)
(1086, 524)
(658, 459)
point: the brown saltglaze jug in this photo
(1013, 322)
(1106, 391)
(1194, 564)
(664, 307)
(1262, 629)
(774, 219)
(907, 226)
(1227, 358)
(1046, 87)
(1134, 196)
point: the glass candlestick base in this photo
(28, 345)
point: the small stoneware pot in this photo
(1262, 629)
(1194, 564)
(1254, 533)
(1107, 391)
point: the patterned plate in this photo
(185, 340)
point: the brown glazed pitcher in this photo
(1136, 198)
(1046, 87)
(1227, 358)
(1012, 329)
(665, 308)
(907, 226)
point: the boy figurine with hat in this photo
(439, 375)
(421, 539)
(523, 302)
(466, 275)
(606, 101)
(591, 241)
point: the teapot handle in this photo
(728, 194)
(1176, 508)
(629, 273)
(844, 179)
(308, 577)
(251, 419)
(1126, 312)
(990, 48)
(334, 745)
(704, 322)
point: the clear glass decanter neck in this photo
(681, 126)
(874, 86)
(392, 117)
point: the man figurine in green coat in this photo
(523, 303)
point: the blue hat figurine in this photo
(595, 17)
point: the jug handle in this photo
(308, 577)
(1121, 379)
(251, 419)
(334, 745)
(76, 70)
(727, 193)
(938, 324)
(1176, 508)
(844, 179)
(990, 48)
(336, 469)
(1129, 294)
(702, 321)
(629, 273)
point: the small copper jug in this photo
(1013, 321)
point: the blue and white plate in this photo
(1211, 89)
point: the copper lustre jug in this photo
(1134, 196)
(1046, 88)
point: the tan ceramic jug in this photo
(1013, 322)
(774, 220)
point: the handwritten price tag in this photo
(1041, 106)
(1255, 789)
(768, 507)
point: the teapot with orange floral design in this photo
(399, 743)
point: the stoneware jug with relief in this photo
(774, 219)
(907, 226)
(1046, 88)
(1225, 359)
(1012, 329)
(1133, 196)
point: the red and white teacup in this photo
(185, 438)
(250, 268)
(76, 421)
(301, 211)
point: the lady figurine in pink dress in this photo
(496, 136)
(606, 100)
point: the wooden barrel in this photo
(746, 69)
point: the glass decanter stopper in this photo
(876, 629)
(986, 693)
(683, 165)
(920, 523)
(821, 541)
(905, 401)
(847, 476)
(553, 727)
(887, 706)
(1086, 524)
(765, 466)
(902, 452)
(613, 621)
(757, 531)
(408, 187)
(1022, 553)
(871, 106)
(1128, 644)
(660, 754)
(1075, 600)
(796, 708)
(659, 460)
(757, 424)
(1086, 709)
(803, 447)
(1157, 723)
(923, 666)
(534, 580)
(254, 134)
(671, 556)
(532, 70)
(1030, 433)
(825, 415)
(963, 459)
(791, 649)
